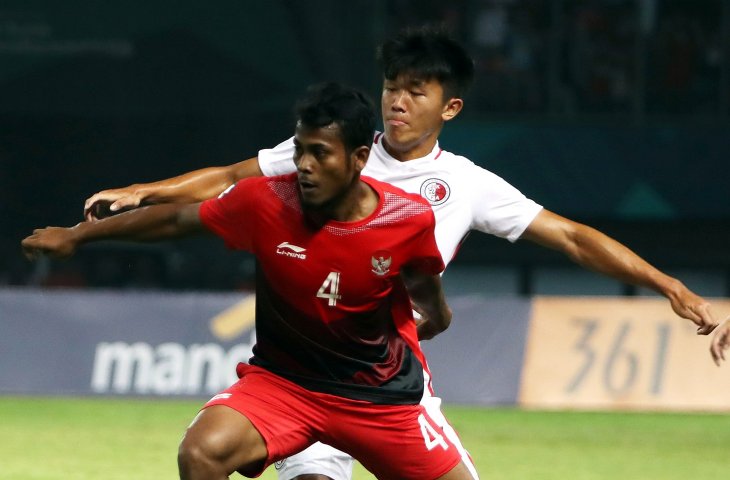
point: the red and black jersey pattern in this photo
(332, 313)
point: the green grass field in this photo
(80, 439)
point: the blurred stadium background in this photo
(615, 113)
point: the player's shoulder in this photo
(456, 162)
(257, 185)
(400, 206)
(392, 191)
(463, 169)
(287, 178)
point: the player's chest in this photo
(330, 264)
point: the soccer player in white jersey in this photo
(426, 75)
(337, 357)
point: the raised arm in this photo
(596, 251)
(190, 187)
(428, 300)
(151, 223)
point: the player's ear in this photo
(360, 156)
(452, 108)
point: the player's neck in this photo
(357, 203)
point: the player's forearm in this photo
(428, 297)
(197, 185)
(191, 187)
(596, 251)
(157, 222)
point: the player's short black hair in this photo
(428, 52)
(348, 108)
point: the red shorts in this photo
(398, 442)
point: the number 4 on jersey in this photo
(331, 283)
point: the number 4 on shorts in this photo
(430, 435)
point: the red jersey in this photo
(332, 313)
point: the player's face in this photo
(325, 171)
(414, 111)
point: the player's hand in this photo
(110, 202)
(720, 342)
(688, 305)
(56, 242)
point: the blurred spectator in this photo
(451, 15)
(600, 49)
(508, 39)
(685, 58)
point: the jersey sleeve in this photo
(426, 257)
(231, 215)
(498, 208)
(278, 160)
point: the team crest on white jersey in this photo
(289, 250)
(435, 190)
(381, 261)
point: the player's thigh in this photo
(225, 436)
(459, 472)
(318, 459)
(282, 414)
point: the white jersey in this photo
(464, 196)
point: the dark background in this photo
(611, 112)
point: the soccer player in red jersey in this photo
(341, 258)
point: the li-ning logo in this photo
(289, 250)
(381, 261)
(227, 191)
(435, 190)
(221, 396)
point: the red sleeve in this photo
(426, 256)
(232, 216)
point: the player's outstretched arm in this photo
(156, 222)
(596, 251)
(720, 342)
(428, 300)
(190, 187)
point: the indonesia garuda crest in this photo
(381, 263)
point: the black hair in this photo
(428, 52)
(346, 107)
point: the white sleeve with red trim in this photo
(278, 160)
(497, 207)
